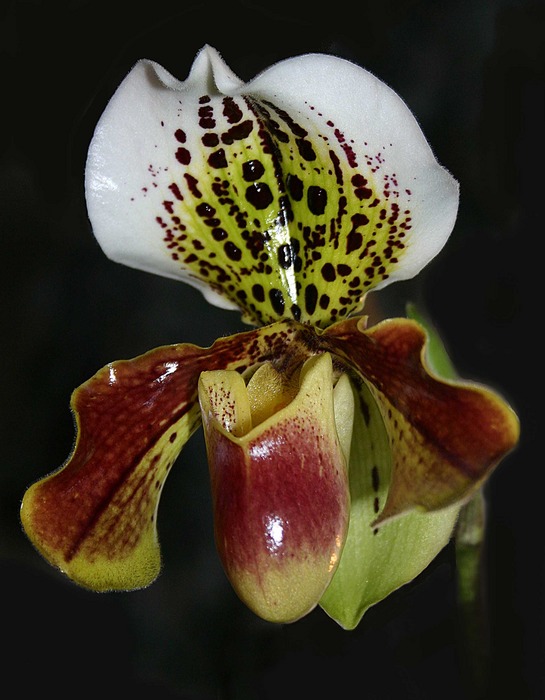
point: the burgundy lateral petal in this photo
(98, 511)
(446, 436)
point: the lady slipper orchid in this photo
(339, 459)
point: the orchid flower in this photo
(339, 459)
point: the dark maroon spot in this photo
(205, 210)
(173, 187)
(218, 234)
(305, 149)
(358, 180)
(336, 168)
(363, 193)
(217, 159)
(311, 298)
(342, 208)
(324, 301)
(237, 132)
(180, 136)
(296, 128)
(280, 135)
(183, 156)
(354, 241)
(172, 437)
(210, 140)
(231, 110)
(252, 170)
(258, 292)
(295, 312)
(204, 99)
(285, 258)
(232, 251)
(344, 270)
(359, 220)
(192, 183)
(349, 153)
(241, 217)
(277, 300)
(206, 120)
(295, 187)
(316, 199)
(395, 213)
(375, 478)
(328, 272)
(278, 132)
(259, 195)
(255, 242)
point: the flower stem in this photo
(471, 592)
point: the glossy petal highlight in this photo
(291, 196)
(95, 518)
(279, 487)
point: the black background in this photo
(472, 72)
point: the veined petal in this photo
(95, 518)
(279, 483)
(377, 560)
(292, 195)
(446, 437)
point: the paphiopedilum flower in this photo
(339, 459)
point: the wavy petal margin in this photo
(446, 437)
(396, 527)
(421, 448)
(95, 518)
(290, 196)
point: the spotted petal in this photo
(291, 195)
(95, 518)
